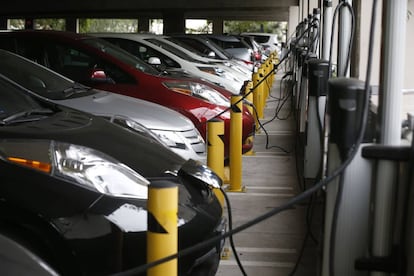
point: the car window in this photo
(78, 64)
(119, 54)
(13, 100)
(261, 38)
(143, 52)
(228, 44)
(37, 78)
(196, 45)
(172, 49)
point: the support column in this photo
(218, 26)
(72, 25)
(293, 19)
(3, 23)
(143, 24)
(174, 22)
(29, 23)
(390, 104)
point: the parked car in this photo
(233, 66)
(269, 41)
(17, 260)
(74, 189)
(155, 51)
(234, 46)
(99, 64)
(173, 129)
(208, 48)
(258, 50)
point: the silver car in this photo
(170, 127)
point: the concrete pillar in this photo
(3, 23)
(293, 19)
(218, 26)
(29, 23)
(72, 25)
(174, 22)
(143, 24)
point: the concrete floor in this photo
(271, 176)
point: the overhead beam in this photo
(212, 9)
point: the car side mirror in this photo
(154, 61)
(212, 54)
(99, 75)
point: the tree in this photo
(236, 27)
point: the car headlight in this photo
(85, 166)
(170, 138)
(198, 90)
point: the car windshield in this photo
(16, 105)
(39, 79)
(120, 54)
(172, 49)
(184, 45)
(261, 38)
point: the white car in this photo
(149, 48)
(170, 127)
(269, 41)
(205, 47)
(241, 71)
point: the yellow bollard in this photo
(267, 80)
(257, 100)
(215, 151)
(236, 145)
(162, 234)
(261, 93)
(249, 96)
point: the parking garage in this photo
(320, 184)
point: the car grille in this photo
(196, 141)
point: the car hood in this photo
(144, 155)
(151, 115)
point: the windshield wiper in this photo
(75, 89)
(23, 116)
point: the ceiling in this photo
(269, 10)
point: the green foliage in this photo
(50, 24)
(44, 23)
(108, 25)
(236, 27)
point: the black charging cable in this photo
(342, 4)
(230, 223)
(359, 141)
(283, 207)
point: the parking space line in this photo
(266, 250)
(258, 264)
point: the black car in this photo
(17, 260)
(74, 189)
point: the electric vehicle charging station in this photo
(318, 74)
(347, 207)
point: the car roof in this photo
(62, 34)
(228, 38)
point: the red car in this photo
(99, 64)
